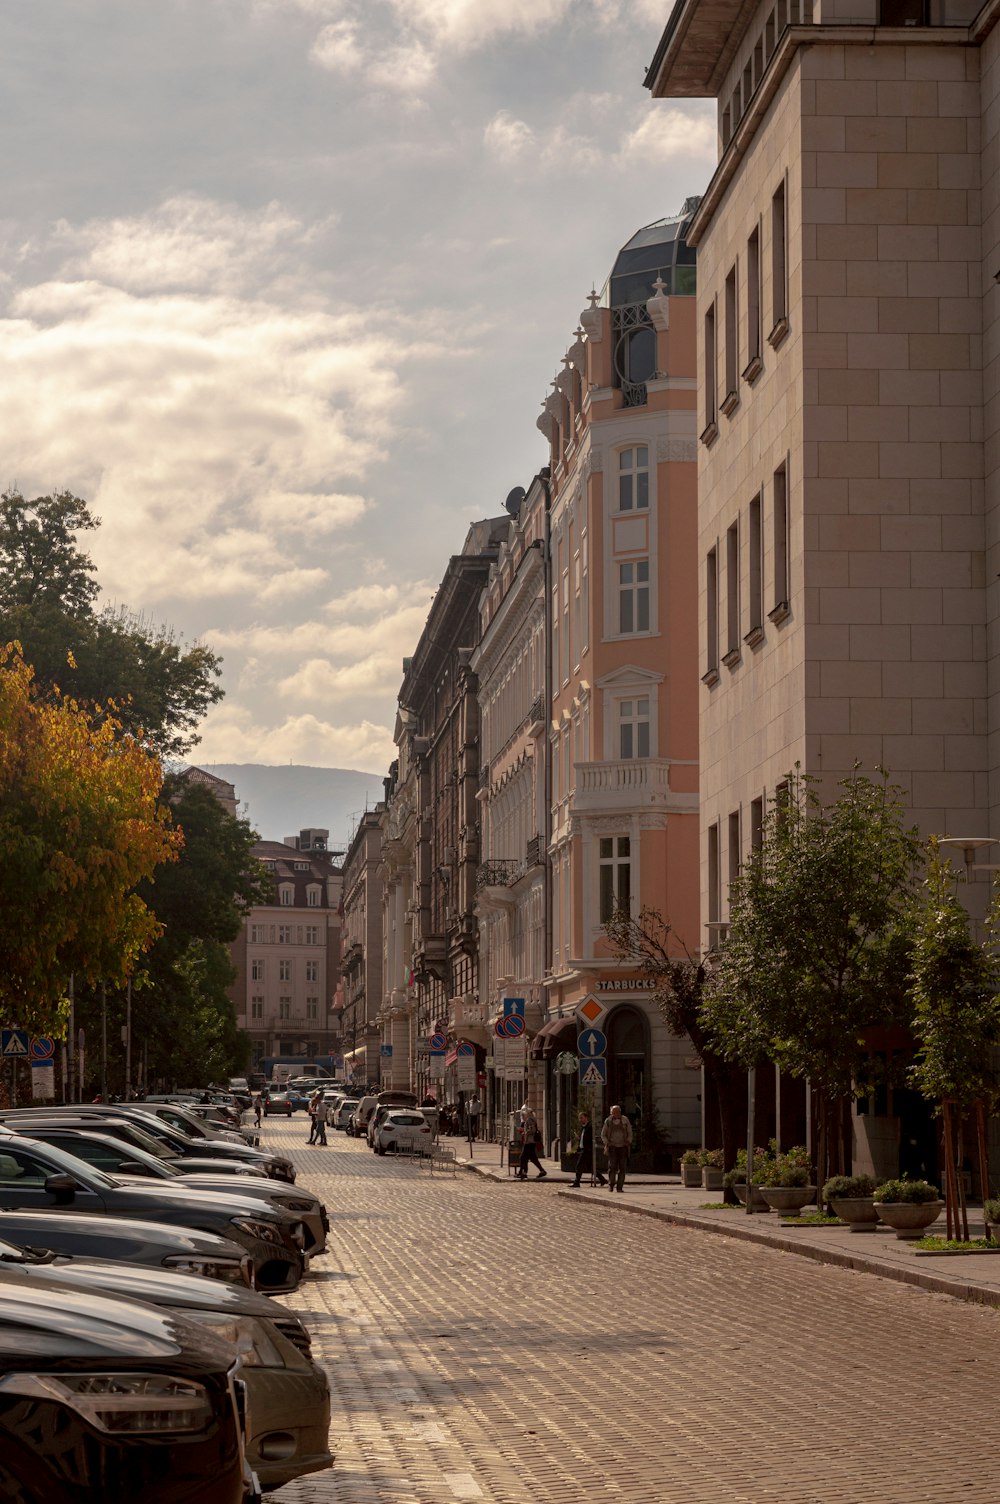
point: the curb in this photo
(937, 1284)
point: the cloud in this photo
(658, 135)
(666, 133)
(462, 25)
(232, 734)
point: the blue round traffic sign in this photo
(465, 1048)
(42, 1048)
(438, 1041)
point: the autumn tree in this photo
(81, 827)
(818, 941)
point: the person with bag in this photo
(616, 1136)
(531, 1142)
(585, 1157)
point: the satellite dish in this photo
(514, 499)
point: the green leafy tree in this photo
(820, 921)
(81, 827)
(155, 686)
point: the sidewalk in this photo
(971, 1277)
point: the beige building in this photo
(362, 953)
(848, 395)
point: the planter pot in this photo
(993, 1231)
(908, 1218)
(711, 1178)
(691, 1176)
(788, 1199)
(857, 1211)
(758, 1204)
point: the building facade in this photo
(848, 411)
(362, 952)
(287, 956)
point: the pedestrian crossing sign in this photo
(593, 1072)
(14, 1043)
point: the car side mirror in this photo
(132, 1167)
(62, 1187)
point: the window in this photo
(256, 971)
(257, 1007)
(312, 934)
(779, 297)
(312, 971)
(753, 366)
(312, 1007)
(633, 727)
(284, 971)
(734, 845)
(732, 595)
(285, 936)
(712, 616)
(714, 893)
(781, 584)
(284, 1007)
(633, 479)
(302, 866)
(711, 428)
(756, 824)
(732, 397)
(633, 597)
(312, 898)
(756, 580)
(616, 875)
(286, 895)
(258, 934)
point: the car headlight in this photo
(292, 1203)
(250, 1337)
(121, 1403)
(229, 1270)
(266, 1232)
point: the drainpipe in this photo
(544, 479)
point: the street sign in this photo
(513, 1005)
(42, 1048)
(566, 1063)
(594, 1072)
(465, 1048)
(510, 1027)
(438, 1043)
(385, 1050)
(14, 1044)
(590, 1011)
(592, 1043)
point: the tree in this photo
(955, 991)
(817, 948)
(80, 828)
(155, 686)
(646, 941)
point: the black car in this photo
(37, 1175)
(135, 1135)
(103, 1399)
(129, 1163)
(279, 1166)
(130, 1240)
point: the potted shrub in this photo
(853, 1200)
(991, 1212)
(735, 1180)
(711, 1169)
(785, 1181)
(908, 1206)
(691, 1168)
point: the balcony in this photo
(498, 873)
(632, 782)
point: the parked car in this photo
(128, 1162)
(403, 1128)
(130, 1131)
(189, 1145)
(39, 1176)
(288, 1395)
(286, 1100)
(130, 1240)
(187, 1120)
(343, 1114)
(105, 1399)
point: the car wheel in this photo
(379, 1149)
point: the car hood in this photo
(138, 1190)
(37, 1227)
(224, 1188)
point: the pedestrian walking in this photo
(472, 1112)
(585, 1158)
(616, 1136)
(258, 1109)
(320, 1120)
(531, 1142)
(312, 1110)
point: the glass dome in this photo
(657, 250)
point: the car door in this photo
(24, 1170)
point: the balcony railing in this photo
(499, 873)
(625, 782)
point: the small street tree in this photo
(80, 827)
(678, 983)
(955, 993)
(818, 939)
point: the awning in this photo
(558, 1034)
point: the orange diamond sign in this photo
(591, 1010)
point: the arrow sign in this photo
(14, 1043)
(592, 1044)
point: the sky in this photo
(283, 284)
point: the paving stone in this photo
(487, 1341)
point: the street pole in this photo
(71, 1045)
(128, 1039)
(751, 1094)
(104, 1042)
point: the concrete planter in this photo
(857, 1211)
(908, 1219)
(758, 1204)
(712, 1177)
(691, 1176)
(788, 1199)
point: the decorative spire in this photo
(658, 306)
(590, 318)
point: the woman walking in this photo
(531, 1142)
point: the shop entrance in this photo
(628, 1053)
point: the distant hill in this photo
(281, 801)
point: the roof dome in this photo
(657, 250)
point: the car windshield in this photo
(57, 1162)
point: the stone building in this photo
(362, 953)
(848, 397)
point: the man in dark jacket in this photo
(585, 1158)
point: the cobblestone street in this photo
(500, 1342)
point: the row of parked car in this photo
(141, 1353)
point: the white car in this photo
(405, 1129)
(342, 1116)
